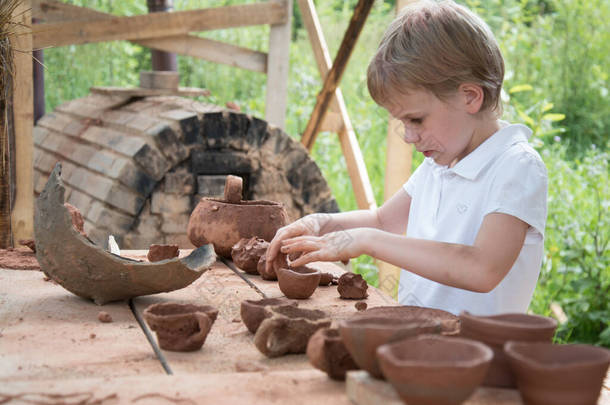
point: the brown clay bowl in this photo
(496, 330)
(363, 335)
(298, 283)
(450, 324)
(434, 370)
(253, 311)
(558, 374)
(326, 352)
(180, 327)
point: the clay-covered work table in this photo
(51, 342)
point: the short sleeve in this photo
(519, 188)
(411, 185)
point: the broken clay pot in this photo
(84, 269)
(352, 286)
(496, 330)
(223, 223)
(450, 324)
(434, 370)
(253, 311)
(299, 282)
(558, 374)
(247, 252)
(326, 352)
(156, 253)
(362, 336)
(287, 329)
(180, 327)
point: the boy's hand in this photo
(334, 246)
(308, 225)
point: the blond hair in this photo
(437, 46)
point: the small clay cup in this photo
(363, 335)
(287, 329)
(298, 283)
(435, 370)
(180, 327)
(253, 311)
(496, 330)
(450, 324)
(327, 352)
(247, 252)
(558, 374)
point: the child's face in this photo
(442, 130)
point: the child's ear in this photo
(472, 97)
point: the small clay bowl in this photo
(327, 352)
(363, 335)
(450, 324)
(253, 311)
(298, 283)
(496, 330)
(558, 374)
(434, 370)
(180, 327)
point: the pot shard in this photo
(180, 327)
(288, 329)
(570, 374)
(496, 330)
(363, 335)
(86, 270)
(253, 311)
(247, 252)
(435, 370)
(326, 352)
(299, 282)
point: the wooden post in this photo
(22, 216)
(397, 171)
(278, 63)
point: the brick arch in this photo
(136, 167)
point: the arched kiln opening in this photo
(136, 167)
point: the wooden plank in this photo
(141, 92)
(332, 79)
(278, 64)
(47, 332)
(347, 136)
(53, 11)
(22, 215)
(362, 389)
(157, 25)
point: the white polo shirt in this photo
(504, 174)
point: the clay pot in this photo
(247, 252)
(287, 329)
(156, 253)
(223, 223)
(434, 370)
(352, 286)
(450, 324)
(496, 330)
(253, 311)
(327, 352)
(558, 374)
(180, 327)
(298, 283)
(363, 335)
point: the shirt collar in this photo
(472, 164)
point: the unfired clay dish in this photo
(298, 283)
(253, 311)
(327, 352)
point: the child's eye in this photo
(416, 121)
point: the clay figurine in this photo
(299, 282)
(253, 311)
(180, 327)
(223, 223)
(156, 253)
(247, 252)
(287, 329)
(435, 370)
(327, 352)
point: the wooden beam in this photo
(144, 92)
(277, 69)
(361, 12)
(22, 215)
(338, 119)
(157, 25)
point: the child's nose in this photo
(410, 135)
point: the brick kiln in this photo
(136, 167)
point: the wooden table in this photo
(53, 345)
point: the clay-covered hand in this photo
(334, 246)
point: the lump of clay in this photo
(247, 252)
(352, 286)
(299, 282)
(180, 327)
(253, 311)
(156, 253)
(327, 352)
(326, 279)
(287, 329)
(261, 267)
(29, 243)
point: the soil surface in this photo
(18, 259)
